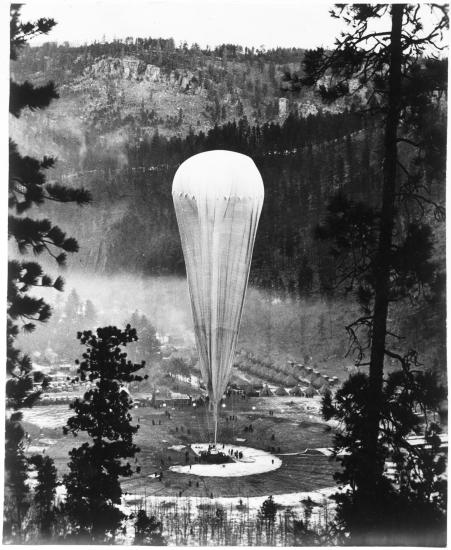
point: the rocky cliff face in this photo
(132, 68)
(187, 93)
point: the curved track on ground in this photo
(283, 426)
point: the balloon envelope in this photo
(218, 198)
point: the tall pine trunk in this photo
(382, 284)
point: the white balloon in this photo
(218, 197)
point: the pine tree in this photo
(148, 531)
(268, 510)
(16, 500)
(44, 497)
(73, 307)
(92, 484)
(384, 252)
(27, 189)
(73, 320)
(147, 347)
(409, 509)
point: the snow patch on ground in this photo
(177, 448)
(254, 461)
(53, 416)
(35, 449)
(295, 501)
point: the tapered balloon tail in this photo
(215, 413)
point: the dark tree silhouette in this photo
(93, 488)
(27, 188)
(44, 498)
(148, 531)
(384, 252)
(408, 507)
(307, 533)
(268, 510)
(16, 500)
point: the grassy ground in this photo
(284, 425)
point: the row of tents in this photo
(311, 374)
(302, 381)
(297, 391)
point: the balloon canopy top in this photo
(218, 174)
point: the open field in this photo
(285, 426)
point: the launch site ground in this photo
(290, 429)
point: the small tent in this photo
(266, 392)
(315, 375)
(318, 382)
(297, 392)
(310, 391)
(290, 380)
(281, 391)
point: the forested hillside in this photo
(130, 112)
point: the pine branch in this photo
(26, 95)
(60, 193)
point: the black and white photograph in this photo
(225, 276)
